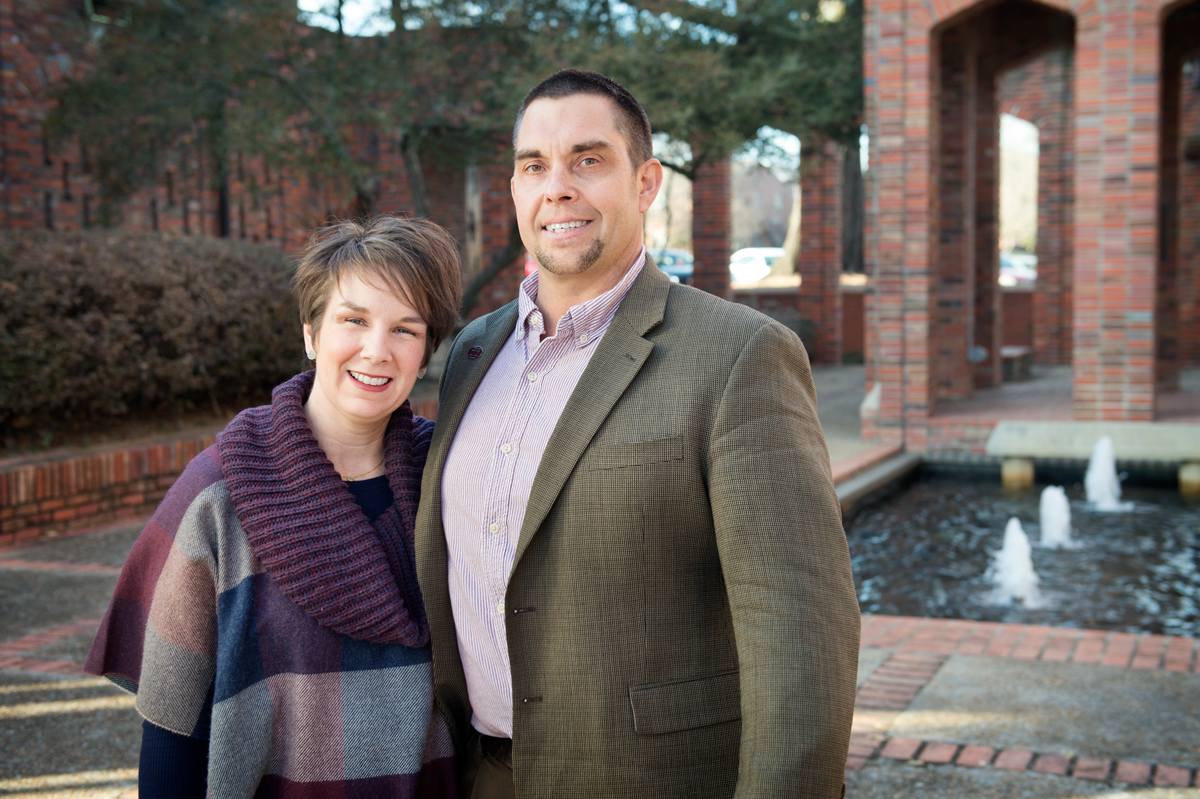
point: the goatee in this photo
(556, 267)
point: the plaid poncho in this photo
(213, 649)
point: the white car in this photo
(752, 263)
(1017, 269)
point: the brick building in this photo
(43, 186)
(1113, 90)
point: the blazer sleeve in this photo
(787, 572)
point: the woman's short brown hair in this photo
(414, 259)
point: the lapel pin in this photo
(474, 353)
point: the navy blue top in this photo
(174, 766)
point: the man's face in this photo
(579, 198)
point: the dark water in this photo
(925, 550)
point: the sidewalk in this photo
(945, 708)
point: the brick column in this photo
(711, 227)
(1116, 197)
(953, 280)
(1052, 299)
(820, 259)
(898, 233)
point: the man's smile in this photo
(563, 227)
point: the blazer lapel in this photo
(461, 385)
(618, 358)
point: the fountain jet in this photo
(1101, 481)
(1012, 568)
(1054, 512)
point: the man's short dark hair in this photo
(632, 122)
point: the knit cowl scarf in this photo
(350, 575)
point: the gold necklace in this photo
(368, 471)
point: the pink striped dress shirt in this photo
(489, 474)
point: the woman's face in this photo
(369, 347)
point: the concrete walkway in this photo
(945, 708)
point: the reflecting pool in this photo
(925, 551)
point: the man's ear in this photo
(650, 180)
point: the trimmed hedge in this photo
(109, 324)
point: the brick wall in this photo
(496, 219)
(46, 187)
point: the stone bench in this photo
(1016, 363)
(1020, 443)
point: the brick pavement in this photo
(919, 647)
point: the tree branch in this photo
(499, 262)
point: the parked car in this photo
(752, 263)
(1017, 269)
(678, 264)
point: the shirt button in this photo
(533, 376)
(506, 448)
(493, 528)
(583, 338)
(500, 607)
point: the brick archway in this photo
(918, 307)
(972, 50)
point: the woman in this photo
(268, 617)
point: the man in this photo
(629, 543)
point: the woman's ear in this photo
(310, 345)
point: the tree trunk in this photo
(500, 261)
(787, 264)
(410, 146)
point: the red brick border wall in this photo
(711, 227)
(41, 500)
(785, 303)
(47, 496)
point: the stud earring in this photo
(420, 373)
(312, 354)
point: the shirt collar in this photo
(583, 322)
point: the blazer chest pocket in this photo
(685, 704)
(635, 453)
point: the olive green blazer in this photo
(682, 620)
